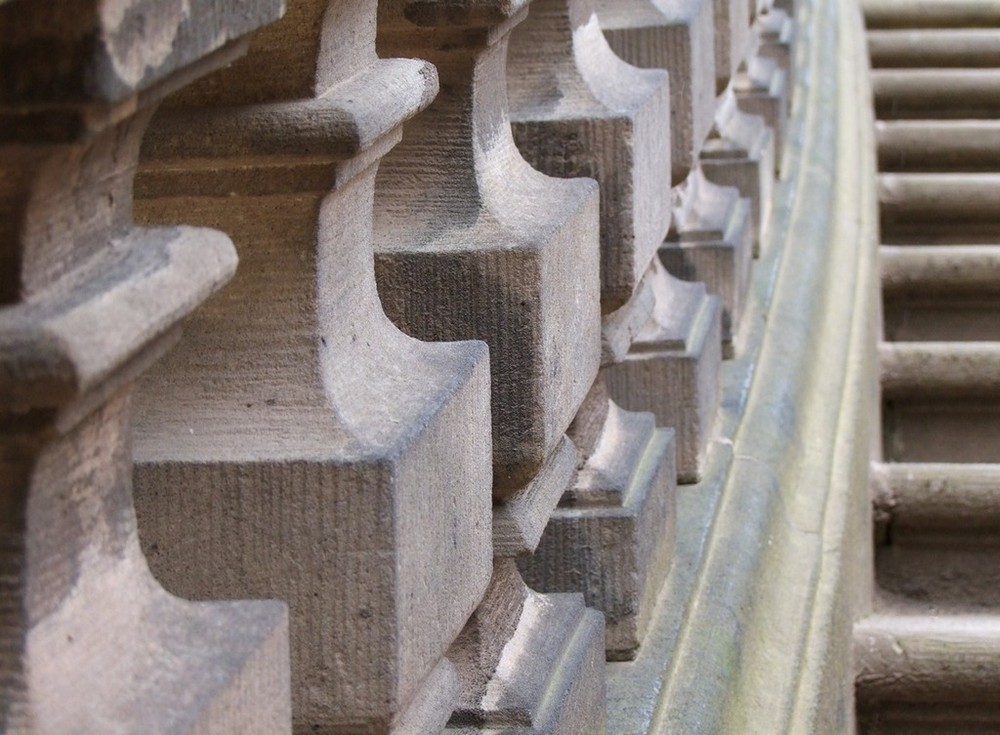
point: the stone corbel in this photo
(711, 240)
(679, 36)
(762, 89)
(91, 641)
(473, 242)
(740, 153)
(339, 464)
(578, 109)
(663, 353)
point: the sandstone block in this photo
(473, 243)
(679, 36)
(578, 110)
(340, 464)
(92, 643)
(740, 154)
(711, 240)
(611, 538)
(763, 90)
(732, 40)
(672, 366)
(530, 664)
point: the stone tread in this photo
(916, 658)
(940, 269)
(939, 495)
(936, 82)
(940, 369)
(933, 47)
(938, 146)
(936, 93)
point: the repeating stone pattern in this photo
(91, 643)
(482, 263)
(343, 466)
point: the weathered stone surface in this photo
(530, 664)
(103, 52)
(612, 535)
(519, 521)
(672, 366)
(340, 464)
(732, 40)
(966, 48)
(910, 679)
(471, 242)
(611, 123)
(941, 293)
(711, 241)
(740, 153)
(90, 642)
(763, 90)
(774, 36)
(938, 145)
(930, 13)
(676, 35)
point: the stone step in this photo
(937, 536)
(940, 369)
(882, 14)
(940, 94)
(934, 48)
(941, 401)
(919, 674)
(941, 293)
(938, 145)
(921, 204)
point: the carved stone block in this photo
(611, 123)
(732, 40)
(740, 154)
(612, 535)
(672, 365)
(339, 464)
(763, 90)
(91, 642)
(530, 664)
(711, 240)
(775, 39)
(676, 35)
(471, 242)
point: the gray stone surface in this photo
(740, 153)
(471, 242)
(612, 535)
(612, 123)
(91, 642)
(339, 464)
(672, 367)
(679, 36)
(711, 242)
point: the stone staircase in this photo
(928, 657)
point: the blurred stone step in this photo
(945, 94)
(941, 293)
(920, 674)
(941, 401)
(940, 369)
(961, 205)
(881, 14)
(938, 145)
(937, 535)
(934, 48)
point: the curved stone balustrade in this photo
(536, 402)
